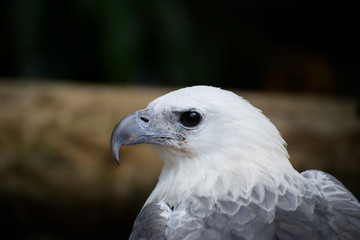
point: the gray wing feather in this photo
(325, 210)
(204, 218)
(330, 213)
(342, 207)
(151, 222)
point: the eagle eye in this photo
(190, 119)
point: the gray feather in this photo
(334, 214)
(151, 222)
(342, 208)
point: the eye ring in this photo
(190, 118)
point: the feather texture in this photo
(333, 214)
(229, 177)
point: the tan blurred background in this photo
(58, 177)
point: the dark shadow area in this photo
(298, 46)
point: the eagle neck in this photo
(213, 177)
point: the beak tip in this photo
(117, 161)
(115, 149)
(115, 153)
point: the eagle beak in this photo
(136, 128)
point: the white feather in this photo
(235, 148)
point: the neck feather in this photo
(217, 175)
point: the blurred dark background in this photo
(70, 70)
(296, 46)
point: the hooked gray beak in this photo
(137, 128)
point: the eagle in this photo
(227, 174)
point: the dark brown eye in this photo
(190, 119)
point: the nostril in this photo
(144, 119)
